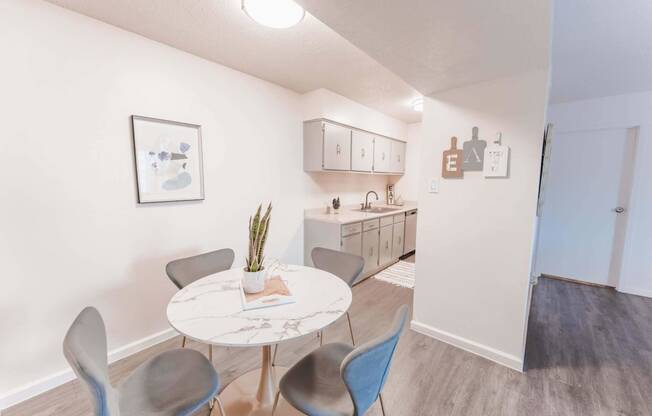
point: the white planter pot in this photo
(253, 282)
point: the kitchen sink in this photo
(378, 210)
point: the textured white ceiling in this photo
(436, 45)
(303, 58)
(601, 48)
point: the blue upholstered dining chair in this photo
(346, 266)
(184, 271)
(174, 383)
(340, 380)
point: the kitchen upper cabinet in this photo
(398, 238)
(337, 147)
(370, 253)
(362, 151)
(382, 152)
(330, 146)
(397, 163)
(386, 244)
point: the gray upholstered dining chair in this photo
(338, 379)
(346, 266)
(184, 271)
(174, 383)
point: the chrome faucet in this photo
(367, 204)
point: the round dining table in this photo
(210, 311)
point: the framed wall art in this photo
(168, 155)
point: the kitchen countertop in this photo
(348, 214)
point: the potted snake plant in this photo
(253, 280)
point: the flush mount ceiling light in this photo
(278, 14)
(417, 104)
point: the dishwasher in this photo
(410, 231)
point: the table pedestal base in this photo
(253, 393)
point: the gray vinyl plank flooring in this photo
(589, 353)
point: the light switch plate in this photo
(434, 186)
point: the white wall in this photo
(475, 235)
(623, 111)
(323, 103)
(72, 232)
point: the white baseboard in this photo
(500, 357)
(635, 291)
(44, 384)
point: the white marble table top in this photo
(210, 309)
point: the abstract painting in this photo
(168, 160)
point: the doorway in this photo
(583, 206)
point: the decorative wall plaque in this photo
(451, 164)
(474, 152)
(496, 159)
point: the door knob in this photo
(619, 210)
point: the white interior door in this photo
(588, 181)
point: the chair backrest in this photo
(346, 266)
(365, 369)
(183, 272)
(85, 349)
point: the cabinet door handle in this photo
(399, 158)
(371, 251)
(399, 240)
(386, 245)
(338, 149)
(362, 152)
(383, 155)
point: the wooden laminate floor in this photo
(589, 352)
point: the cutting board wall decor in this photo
(496, 159)
(473, 152)
(451, 164)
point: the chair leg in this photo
(348, 318)
(274, 358)
(278, 395)
(382, 405)
(220, 406)
(183, 342)
(210, 353)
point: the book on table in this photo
(276, 293)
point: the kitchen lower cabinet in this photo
(352, 244)
(370, 244)
(398, 239)
(386, 245)
(381, 241)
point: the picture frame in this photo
(168, 160)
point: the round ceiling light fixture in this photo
(278, 14)
(417, 104)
